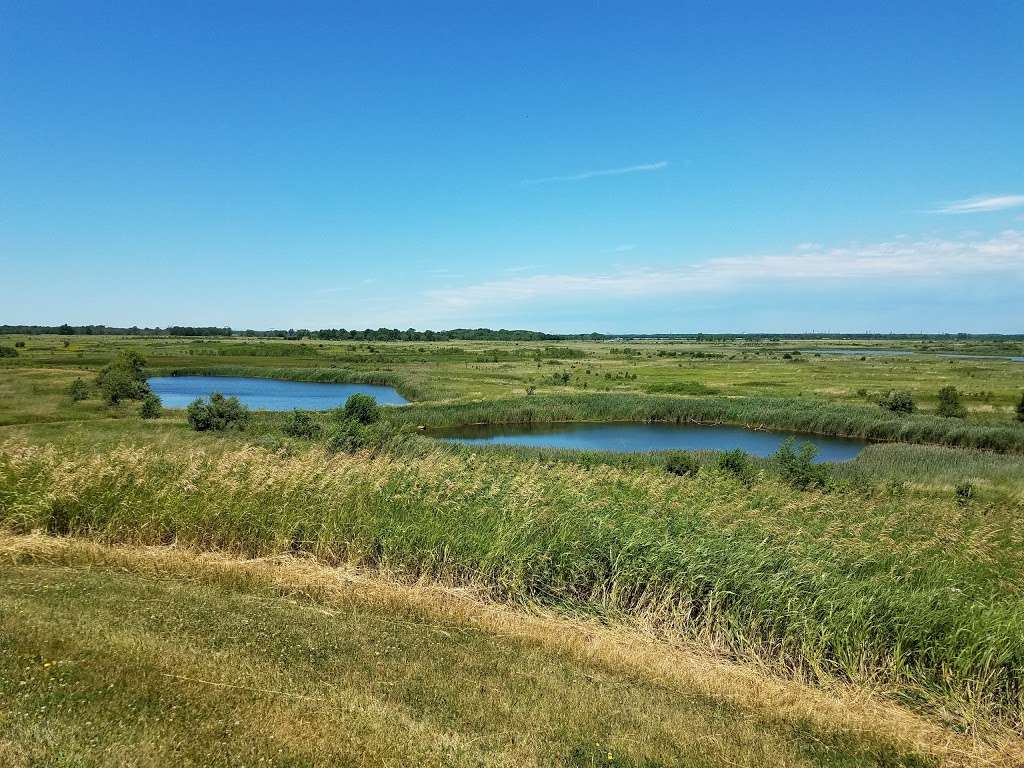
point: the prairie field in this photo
(273, 587)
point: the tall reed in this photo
(921, 596)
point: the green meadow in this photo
(272, 584)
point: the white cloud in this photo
(807, 263)
(644, 168)
(981, 204)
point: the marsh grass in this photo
(917, 596)
(800, 415)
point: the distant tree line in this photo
(109, 330)
(479, 334)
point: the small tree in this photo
(949, 403)
(362, 408)
(221, 413)
(898, 402)
(152, 408)
(124, 378)
(78, 390)
(682, 464)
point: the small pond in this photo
(639, 437)
(267, 394)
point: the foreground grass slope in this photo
(156, 657)
(919, 596)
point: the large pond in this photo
(637, 438)
(267, 394)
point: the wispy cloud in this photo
(808, 263)
(624, 248)
(644, 168)
(981, 204)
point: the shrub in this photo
(964, 492)
(78, 390)
(301, 424)
(898, 402)
(152, 408)
(124, 378)
(737, 463)
(682, 464)
(362, 408)
(346, 436)
(8, 352)
(797, 467)
(949, 403)
(221, 413)
(1020, 409)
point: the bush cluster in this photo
(8, 352)
(219, 414)
(898, 402)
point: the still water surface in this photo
(636, 438)
(267, 394)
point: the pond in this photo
(640, 437)
(267, 394)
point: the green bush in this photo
(797, 467)
(362, 408)
(301, 424)
(949, 403)
(1020, 409)
(152, 408)
(682, 464)
(8, 352)
(220, 414)
(736, 462)
(964, 492)
(345, 436)
(124, 378)
(78, 390)
(898, 402)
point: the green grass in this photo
(487, 369)
(115, 658)
(809, 416)
(884, 581)
(915, 594)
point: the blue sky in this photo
(557, 166)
